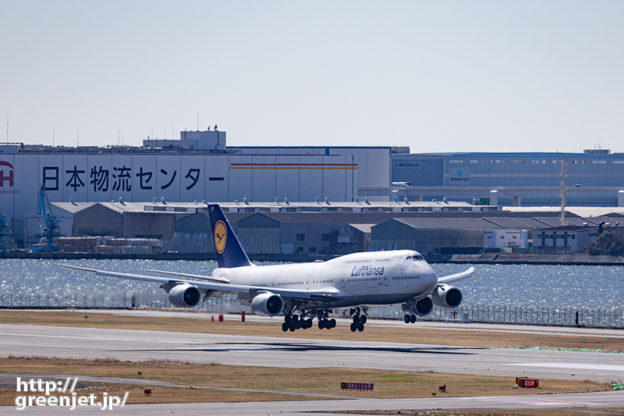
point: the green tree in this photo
(608, 243)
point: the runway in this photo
(71, 342)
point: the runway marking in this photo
(580, 366)
(523, 401)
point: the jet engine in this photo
(184, 295)
(446, 296)
(267, 303)
(422, 307)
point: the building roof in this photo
(71, 207)
(365, 228)
(448, 223)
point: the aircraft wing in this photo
(192, 276)
(457, 276)
(322, 294)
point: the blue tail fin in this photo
(230, 253)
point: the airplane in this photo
(304, 291)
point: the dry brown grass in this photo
(388, 384)
(161, 394)
(501, 412)
(382, 334)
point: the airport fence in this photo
(535, 315)
(504, 314)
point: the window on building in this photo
(300, 237)
(312, 249)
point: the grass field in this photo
(382, 334)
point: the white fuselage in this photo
(376, 278)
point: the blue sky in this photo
(437, 76)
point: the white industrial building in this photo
(197, 168)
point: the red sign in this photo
(529, 383)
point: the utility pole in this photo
(562, 193)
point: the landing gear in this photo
(294, 322)
(324, 322)
(359, 319)
(409, 318)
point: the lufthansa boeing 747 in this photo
(304, 291)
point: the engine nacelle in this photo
(423, 307)
(267, 303)
(446, 296)
(184, 295)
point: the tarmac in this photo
(585, 401)
(70, 342)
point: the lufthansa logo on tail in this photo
(220, 236)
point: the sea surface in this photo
(39, 281)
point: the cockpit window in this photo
(415, 257)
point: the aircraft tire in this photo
(360, 327)
(285, 327)
(413, 319)
(363, 319)
(407, 319)
(332, 323)
(321, 324)
(353, 327)
(356, 319)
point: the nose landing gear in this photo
(409, 318)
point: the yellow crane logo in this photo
(220, 236)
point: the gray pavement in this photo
(68, 342)
(22, 340)
(584, 401)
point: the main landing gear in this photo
(359, 319)
(294, 322)
(324, 322)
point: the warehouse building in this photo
(199, 167)
(296, 230)
(592, 178)
(202, 167)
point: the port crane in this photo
(49, 227)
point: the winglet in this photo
(230, 253)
